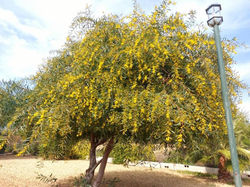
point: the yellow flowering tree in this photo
(147, 78)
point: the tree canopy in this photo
(149, 78)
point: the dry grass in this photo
(22, 172)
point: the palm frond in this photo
(225, 153)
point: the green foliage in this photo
(131, 152)
(12, 96)
(196, 150)
(33, 148)
(242, 131)
(244, 158)
(243, 155)
(81, 149)
(80, 182)
(207, 151)
(60, 148)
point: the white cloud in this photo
(8, 16)
(244, 71)
(245, 105)
(117, 6)
(236, 14)
(243, 49)
(48, 27)
(21, 60)
(55, 15)
(9, 21)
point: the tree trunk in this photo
(223, 174)
(109, 147)
(92, 161)
(94, 143)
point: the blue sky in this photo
(30, 29)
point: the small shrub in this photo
(47, 179)
(81, 182)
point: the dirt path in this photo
(22, 172)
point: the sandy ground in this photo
(22, 172)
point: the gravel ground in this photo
(22, 172)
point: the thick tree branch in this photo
(100, 142)
(95, 166)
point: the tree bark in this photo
(223, 174)
(90, 172)
(109, 147)
(92, 161)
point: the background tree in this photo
(146, 78)
(12, 97)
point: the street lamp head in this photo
(214, 16)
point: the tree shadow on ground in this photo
(147, 178)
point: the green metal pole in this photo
(228, 113)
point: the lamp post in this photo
(214, 20)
